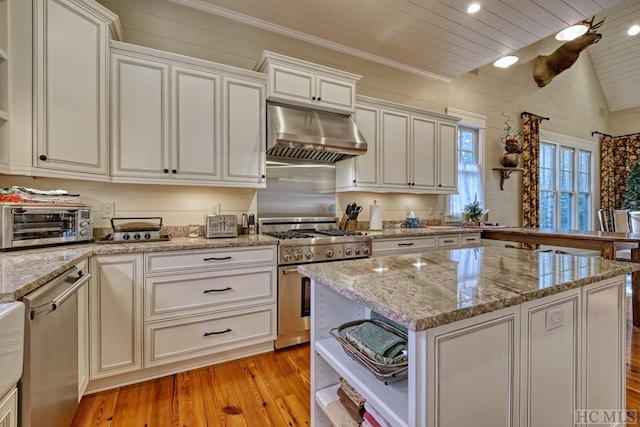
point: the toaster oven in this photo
(38, 225)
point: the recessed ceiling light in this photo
(506, 61)
(634, 30)
(473, 8)
(572, 32)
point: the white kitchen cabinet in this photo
(70, 88)
(406, 245)
(115, 306)
(244, 132)
(361, 172)
(298, 82)
(180, 120)
(9, 409)
(409, 150)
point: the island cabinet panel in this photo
(479, 387)
(550, 364)
(604, 344)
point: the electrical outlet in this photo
(214, 208)
(108, 210)
(554, 319)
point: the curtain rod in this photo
(619, 136)
(531, 114)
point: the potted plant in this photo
(512, 145)
(473, 212)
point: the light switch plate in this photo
(214, 208)
(555, 318)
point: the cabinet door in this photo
(115, 299)
(70, 89)
(9, 409)
(423, 153)
(139, 117)
(550, 361)
(366, 166)
(334, 94)
(244, 131)
(448, 157)
(604, 305)
(395, 138)
(291, 84)
(196, 120)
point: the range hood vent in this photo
(303, 133)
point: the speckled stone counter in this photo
(425, 290)
(437, 230)
(25, 270)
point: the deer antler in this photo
(547, 67)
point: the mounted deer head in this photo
(547, 67)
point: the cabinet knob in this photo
(413, 183)
(313, 98)
(319, 99)
(42, 157)
(263, 176)
(439, 185)
(165, 170)
(174, 171)
(354, 181)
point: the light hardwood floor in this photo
(266, 390)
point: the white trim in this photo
(259, 23)
(569, 141)
(468, 119)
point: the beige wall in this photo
(573, 101)
(624, 122)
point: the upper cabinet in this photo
(303, 83)
(70, 87)
(178, 120)
(409, 150)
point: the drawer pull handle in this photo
(405, 244)
(206, 291)
(206, 334)
(470, 239)
(213, 258)
(448, 241)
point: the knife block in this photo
(343, 222)
(352, 225)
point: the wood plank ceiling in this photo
(438, 39)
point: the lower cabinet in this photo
(158, 313)
(115, 304)
(405, 245)
(9, 409)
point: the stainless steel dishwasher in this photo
(49, 384)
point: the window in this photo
(470, 178)
(566, 183)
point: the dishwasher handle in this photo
(60, 298)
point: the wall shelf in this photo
(505, 173)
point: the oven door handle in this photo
(290, 270)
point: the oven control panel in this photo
(293, 254)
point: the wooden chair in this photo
(603, 220)
(634, 221)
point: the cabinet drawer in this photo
(452, 241)
(470, 240)
(196, 293)
(173, 341)
(399, 246)
(179, 261)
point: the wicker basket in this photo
(383, 372)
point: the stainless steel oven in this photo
(38, 225)
(305, 241)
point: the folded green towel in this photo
(379, 340)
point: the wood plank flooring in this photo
(265, 390)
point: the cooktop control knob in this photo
(365, 250)
(348, 251)
(136, 236)
(297, 255)
(126, 236)
(329, 253)
(147, 236)
(309, 254)
(286, 256)
(357, 251)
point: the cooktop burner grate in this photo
(289, 234)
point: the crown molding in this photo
(259, 23)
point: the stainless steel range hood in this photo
(302, 133)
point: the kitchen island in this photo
(496, 336)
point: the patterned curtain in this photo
(531, 165)
(617, 156)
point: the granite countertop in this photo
(26, 270)
(430, 289)
(434, 230)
